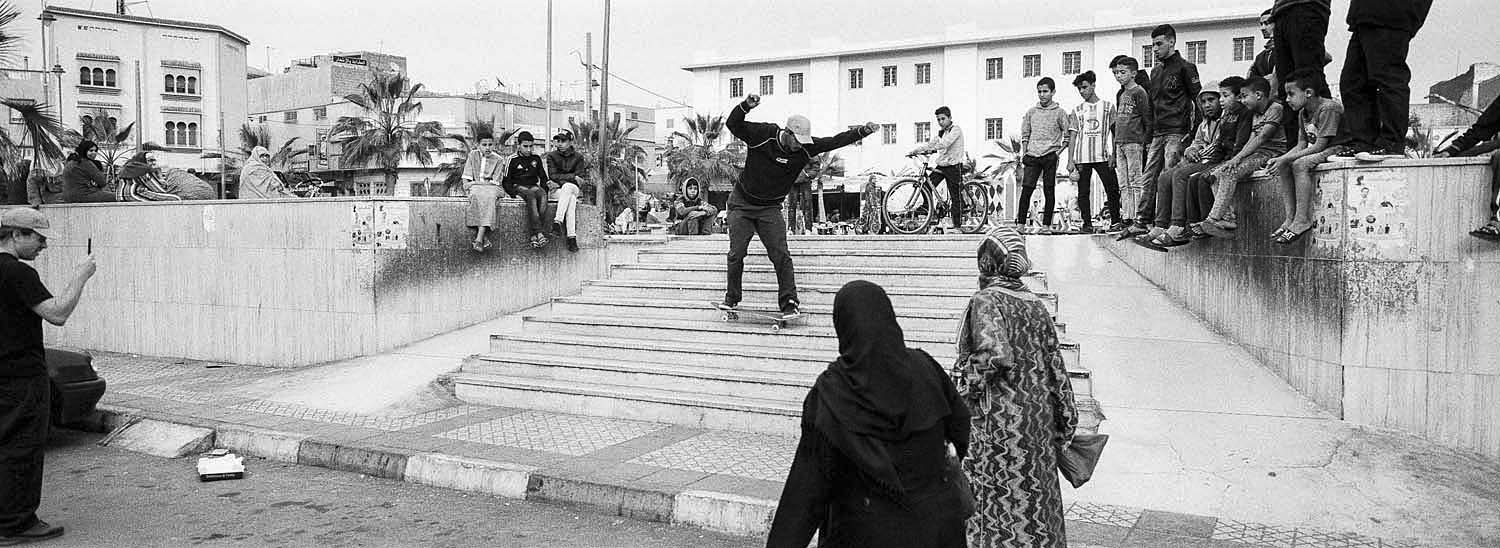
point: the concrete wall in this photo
(291, 283)
(1385, 315)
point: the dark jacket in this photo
(824, 491)
(1404, 15)
(1234, 132)
(523, 171)
(770, 169)
(1174, 86)
(1282, 5)
(1483, 130)
(566, 166)
(82, 179)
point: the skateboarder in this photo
(776, 155)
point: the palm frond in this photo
(41, 126)
(9, 43)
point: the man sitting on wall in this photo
(1469, 144)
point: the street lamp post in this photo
(58, 71)
(603, 116)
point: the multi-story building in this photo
(989, 81)
(179, 82)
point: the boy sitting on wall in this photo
(1468, 144)
(1324, 133)
(1266, 142)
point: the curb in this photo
(719, 512)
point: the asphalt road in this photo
(112, 497)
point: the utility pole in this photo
(604, 116)
(120, 7)
(547, 134)
(588, 76)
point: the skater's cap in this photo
(801, 127)
(1210, 87)
(30, 219)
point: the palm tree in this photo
(9, 43)
(388, 131)
(453, 170)
(38, 127)
(260, 136)
(113, 141)
(625, 164)
(702, 130)
(702, 157)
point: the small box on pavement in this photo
(220, 464)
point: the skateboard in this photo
(778, 322)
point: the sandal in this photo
(1275, 234)
(1213, 228)
(478, 247)
(1287, 237)
(1490, 231)
(1148, 243)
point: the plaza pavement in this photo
(1207, 449)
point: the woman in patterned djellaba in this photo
(1010, 373)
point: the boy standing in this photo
(1132, 129)
(1376, 81)
(1091, 136)
(1172, 195)
(1044, 133)
(1324, 131)
(524, 179)
(1299, 28)
(949, 144)
(567, 169)
(1174, 88)
(1267, 141)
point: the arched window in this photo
(87, 121)
(181, 85)
(193, 135)
(181, 133)
(193, 85)
(109, 77)
(84, 76)
(171, 84)
(171, 134)
(98, 77)
(114, 122)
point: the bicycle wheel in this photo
(976, 207)
(907, 207)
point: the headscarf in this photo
(81, 153)
(258, 180)
(138, 166)
(1002, 259)
(697, 199)
(878, 390)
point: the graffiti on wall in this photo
(1379, 223)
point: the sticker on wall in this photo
(1330, 215)
(210, 218)
(362, 226)
(392, 224)
(1378, 222)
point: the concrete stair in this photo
(646, 344)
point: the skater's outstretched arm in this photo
(752, 133)
(825, 144)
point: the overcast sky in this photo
(452, 44)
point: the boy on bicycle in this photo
(949, 144)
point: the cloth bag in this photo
(1077, 460)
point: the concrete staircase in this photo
(646, 344)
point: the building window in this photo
(924, 73)
(924, 131)
(182, 134)
(856, 78)
(262, 119)
(994, 128)
(888, 76)
(1072, 62)
(635, 115)
(767, 85)
(860, 142)
(794, 83)
(171, 134)
(97, 77)
(289, 117)
(994, 68)
(617, 118)
(321, 113)
(85, 78)
(109, 78)
(736, 87)
(1197, 52)
(669, 122)
(1244, 49)
(888, 134)
(1148, 56)
(171, 84)
(192, 85)
(1031, 66)
(192, 135)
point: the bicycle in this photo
(913, 203)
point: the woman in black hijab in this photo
(83, 176)
(870, 468)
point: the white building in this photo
(180, 82)
(989, 81)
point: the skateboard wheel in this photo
(724, 318)
(776, 327)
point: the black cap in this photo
(524, 136)
(563, 135)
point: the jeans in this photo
(1086, 187)
(697, 226)
(1172, 198)
(1130, 158)
(1227, 178)
(801, 200)
(567, 208)
(953, 176)
(25, 404)
(534, 199)
(746, 221)
(1299, 36)
(1044, 167)
(1376, 87)
(1200, 195)
(1166, 151)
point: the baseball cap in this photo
(1211, 86)
(30, 219)
(801, 127)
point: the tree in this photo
(702, 130)
(9, 42)
(702, 157)
(626, 165)
(387, 132)
(453, 170)
(260, 136)
(39, 128)
(113, 141)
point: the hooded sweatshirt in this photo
(1043, 129)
